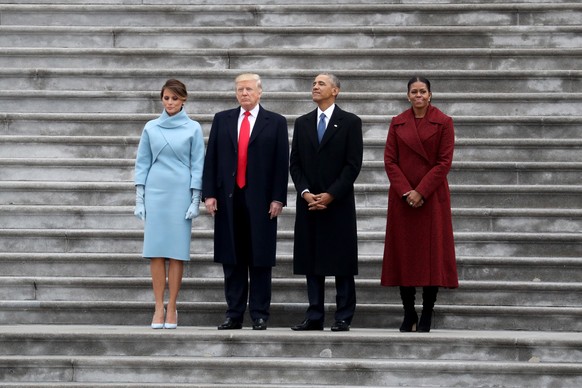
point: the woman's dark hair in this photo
(418, 79)
(176, 87)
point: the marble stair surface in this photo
(79, 79)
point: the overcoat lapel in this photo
(232, 126)
(260, 123)
(312, 129)
(409, 133)
(333, 126)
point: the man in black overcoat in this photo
(245, 202)
(326, 158)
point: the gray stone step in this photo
(369, 219)
(298, 13)
(369, 243)
(375, 315)
(291, 37)
(509, 346)
(468, 173)
(470, 268)
(311, 371)
(260, 58)
(292, 102)
(285, 290)
(291, 80)
(105, 193)
(535, 128)
(120, 147)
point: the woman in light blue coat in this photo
(168, 179)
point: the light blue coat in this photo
(169, 163)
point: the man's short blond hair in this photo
(249, 77)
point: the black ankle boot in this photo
(410, 321)
(428, 300)
(410, 317)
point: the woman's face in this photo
(418, 95)
(172, 103)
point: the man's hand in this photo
(211, 207)
(275, 209)
(318, 201)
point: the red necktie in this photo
(243, 145)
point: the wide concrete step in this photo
(123, 147)
(369, 243)
(291, 37)
(369, 219)
(509, 346)
(261, 58)
(285, 290)
(285, 315)
(534, 128)
(551, 269)
(361, 103)
(319, 371)
(239, 13)
(107, 193)
(467, 173)
(292, 80)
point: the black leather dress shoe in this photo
(340, 326)
(230, 324)
(259, 324)
(308, 324)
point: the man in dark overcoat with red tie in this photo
(244, 186)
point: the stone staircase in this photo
(79, 79)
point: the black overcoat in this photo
(326, 240)
(267, 179)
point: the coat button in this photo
(230, 195)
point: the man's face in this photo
(323, 90)
(248, 94)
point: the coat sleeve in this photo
(209, 175)
(438, 173)
(196, 158)
(295, 163)
(398, 181)
(143, 159)
(282, 163)
(344, 184)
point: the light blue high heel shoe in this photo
(171, 325)
(159, 325)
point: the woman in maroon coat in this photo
(419, 249)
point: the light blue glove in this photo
(139, 210)
(194, 208)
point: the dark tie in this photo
(321, 127)
(243, 145)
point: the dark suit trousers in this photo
(236, 277)
(345, 298)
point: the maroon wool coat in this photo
(419, 248)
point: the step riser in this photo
(254, 62)
(364, 39)
(283, 292)
(202, 371)
(285, 316)
(213, 344)
(115, 266)
(256, 15)
(290, 81)
(540, 153)
(110, 243)
(125, 125)
(122, 220)
(549, 106)
(124, 171)
(476, 199)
